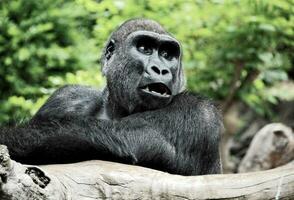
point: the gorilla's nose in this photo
(159, 72)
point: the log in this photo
(108, 180)
(271, 147)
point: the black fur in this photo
(177, 133)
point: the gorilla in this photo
(143, 116)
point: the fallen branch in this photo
(107, 180)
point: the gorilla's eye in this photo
(169, 50)
(166, 54)
(145, 45)
(145, 49)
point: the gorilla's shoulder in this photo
(76, 91)
(72, 100)
(192, 99)
(197, 104)
(199, 111)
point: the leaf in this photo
(267, 27)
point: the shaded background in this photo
(237, 52)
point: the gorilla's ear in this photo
(182, 80)
(108, 53)
(109, 49)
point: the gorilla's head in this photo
(142, 64)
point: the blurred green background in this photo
(234, 51)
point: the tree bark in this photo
(107, 180)
(272, 146)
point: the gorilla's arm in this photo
(71, 139)
(167, 139)
(193, 126)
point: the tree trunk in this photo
(107, 180)
(272, 146)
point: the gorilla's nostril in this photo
(155, 69)
(164, 72)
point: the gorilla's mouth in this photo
(157, 89)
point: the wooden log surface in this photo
(108, 180)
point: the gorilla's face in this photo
(144, 71)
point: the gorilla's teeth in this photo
(147, 89)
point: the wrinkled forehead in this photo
(154, 35)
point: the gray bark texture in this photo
(107, 180)
(272, 146)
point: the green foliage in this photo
(40, 40)
(239, 47)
